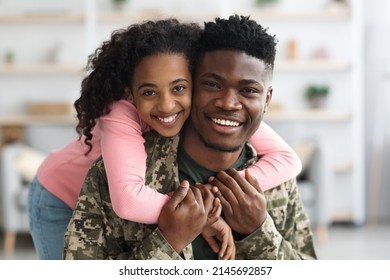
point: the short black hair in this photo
(238, 33)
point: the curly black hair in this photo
(238, 33)
(111, 66)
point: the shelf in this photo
(312, 65)
(28, 18)
(30, 119)
(342, 167)
(342, 216)
(307, 116)
(130, 17)
(41, 69)
(113, 16)
(279, 15)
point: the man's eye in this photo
(250, 90)
(212, 85)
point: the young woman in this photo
(140, 80)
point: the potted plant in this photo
(316, 95)
(263, 3)
(9, 57)
(119, 4)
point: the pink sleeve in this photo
(124, 158)
(278, 162)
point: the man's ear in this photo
(268, 98)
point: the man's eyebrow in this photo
(249, 81)
(220, 78)
(213, 76)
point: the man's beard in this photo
(218, 147)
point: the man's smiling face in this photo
(231, 92)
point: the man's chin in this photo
(223, 148)
(220, 146)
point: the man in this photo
(232, 90)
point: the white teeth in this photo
(168, 119)
(226, 122)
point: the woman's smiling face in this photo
(161, 91)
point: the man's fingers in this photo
(229, 188)
(226, 207)
(253, 181)
(179, 194)
(242, 182)
(206, 196)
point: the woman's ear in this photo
(128, 94)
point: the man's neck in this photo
(207, 157)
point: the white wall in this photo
(377, 98)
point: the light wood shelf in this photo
(342, 167)
(128, 16)
(35, 119)
(27, 18)
(307, 116)
(41, 69)
(312, 65)
(270, 14)
(342, 216)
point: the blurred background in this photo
(330, 102)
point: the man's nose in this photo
(229, 100)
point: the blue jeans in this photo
(48, 218)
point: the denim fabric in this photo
(48, 219)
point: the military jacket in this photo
(96, 232)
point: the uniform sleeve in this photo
(95, 232)
(86, 234)
(153, 247)
(286, 232)
(278, 161)
(124, 157)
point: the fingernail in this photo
(185, 184)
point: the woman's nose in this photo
(166, 103)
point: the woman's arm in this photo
(124, 158)
(278, 161)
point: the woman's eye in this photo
(178, 88)
(149, 93)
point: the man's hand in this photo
(243, 201)
(185, 215)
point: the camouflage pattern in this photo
(96, 232)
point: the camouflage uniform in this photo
(96, 232)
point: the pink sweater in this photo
(118, 138)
